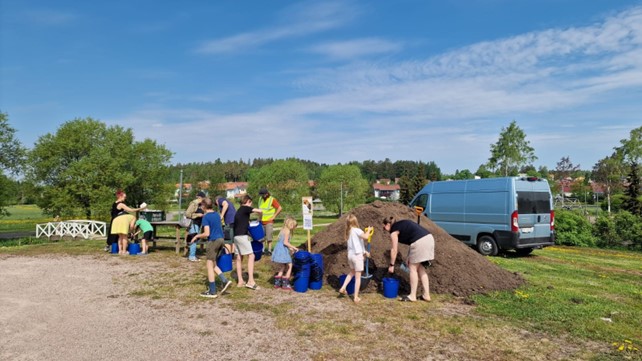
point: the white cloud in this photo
(355, 48)
(300, 20)
(448, 108)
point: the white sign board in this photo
(307, 222)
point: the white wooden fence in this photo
(74, 228)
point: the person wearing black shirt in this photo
(421, 251)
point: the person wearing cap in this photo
(195, 213)
(271, 208)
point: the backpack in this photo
(185, 222)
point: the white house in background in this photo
(233, 189)
(383, 189)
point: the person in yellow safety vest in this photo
(271, 208)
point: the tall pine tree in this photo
(632, 201)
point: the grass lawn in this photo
(22, 218)
(578, 303)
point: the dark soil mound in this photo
(457, 269)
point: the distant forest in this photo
(238, 171)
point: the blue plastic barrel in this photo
(224, 261)
(257, 247)
(114, 247)
(301, 264)
(300, 283)
(133, 249)
(390, 287)
(316, 271)
(256, 230)
(350, 288)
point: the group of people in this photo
(225, 228)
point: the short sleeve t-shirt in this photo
(355, 244)
(213, 220)
(144, 225)
(242, 221)
(409, 231)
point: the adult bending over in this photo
(123, 221)
(421, 252)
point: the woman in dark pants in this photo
(422, 251)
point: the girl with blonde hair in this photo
(356, 251)
(281, 254)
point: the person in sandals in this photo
(242, 244)
(420, 253)
(281, 254)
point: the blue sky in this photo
(330, 81)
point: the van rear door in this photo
(534, 213)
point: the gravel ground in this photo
(72, 308)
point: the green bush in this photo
(604, 231)
(628, 228)
(618, 230)
(573, 229)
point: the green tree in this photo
(565, 168)
(287, 181)
(462, 174)
(80, 166)
(511, 151)
(338, 178)
(609, 172)
(631, 148)
(632, 194)
(12, 156)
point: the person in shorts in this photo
(213, 233)
(148, 233)
(421, 251)
(242, 244)
(356, 251)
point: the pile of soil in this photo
(457, 268)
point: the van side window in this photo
(420, 201)
(533, 202)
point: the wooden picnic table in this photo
(176, 226)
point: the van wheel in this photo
(524, 251)
(486, 246)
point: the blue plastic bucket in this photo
(256, 230)
(300, 283)
(258, 250)
(133, 249)
(350, 288)
(316, 272)
(390, 287)
(114, 247)
(224, 262)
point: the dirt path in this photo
(70, 308)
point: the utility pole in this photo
(341, 201)
(180, 193)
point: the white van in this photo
(492, 214)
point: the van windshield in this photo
(533, 202)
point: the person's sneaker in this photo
(227, 285)
(286, 287)
(193, 259)
(106, 249)
(267, 253)
(277, 282)
(207, 294)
